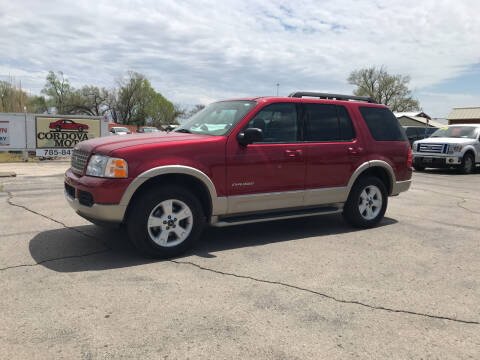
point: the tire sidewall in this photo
(463, 168)
(138, 218)
(352, 212)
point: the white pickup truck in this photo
(450, 146)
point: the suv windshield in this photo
(217, 118)
(467, 132)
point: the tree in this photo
(60, 93)
(12, 97)
(37, 104)
(387, 89)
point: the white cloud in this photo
(197, 51)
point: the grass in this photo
(6, 157)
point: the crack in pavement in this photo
(330, 297)
(223, 273)
(462, 200)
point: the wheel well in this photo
(193, 184)
(380, 173)
(469, 151)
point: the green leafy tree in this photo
(59, 92)
(37, 104)
(387, 89)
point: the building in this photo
(464, 115)
(418, 118)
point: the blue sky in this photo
(205, 50)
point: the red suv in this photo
(64, 124)
(242, 161)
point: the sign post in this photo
(26, 144)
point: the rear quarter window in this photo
(383, 125)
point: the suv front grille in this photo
(79, 160)
(432, 148)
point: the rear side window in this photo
(383, 125)
(324, 122)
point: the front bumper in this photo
(95, 199)
(98, 213)
(435, 161)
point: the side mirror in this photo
(249, 136)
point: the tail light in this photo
(409, 159)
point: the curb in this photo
(7, 174)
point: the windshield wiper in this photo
(186, 131)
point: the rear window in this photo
(383, 125)
(327, 123)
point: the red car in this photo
(242, 161)
(64, 124)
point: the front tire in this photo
(366, 203)
(468, 164)
(165, 222)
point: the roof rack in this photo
(300, 94)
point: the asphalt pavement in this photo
(311, 288)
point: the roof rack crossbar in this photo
(300, 94)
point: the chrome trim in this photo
(238, 204)
(109, 213)
(219, 204)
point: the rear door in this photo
(270, 174)
(334, 152)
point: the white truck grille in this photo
(79, 160)
(432, 148)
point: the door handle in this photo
(354, 151)
(293, 153)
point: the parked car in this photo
(64, 124)
(451, 146)
(415, 133)
(147, 129)
(243, 161)
(117, 130)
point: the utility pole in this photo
(278, 85)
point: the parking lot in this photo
(304, 288)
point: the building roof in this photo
(412, 113)
(463, 113)
(423, 120)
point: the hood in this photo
(107, 144)
(445, 140)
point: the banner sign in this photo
(64, 133)
(4, 133)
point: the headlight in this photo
(453, 148)
(106, 166)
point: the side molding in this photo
(219, 204)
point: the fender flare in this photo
(218, 204)
(369, 164)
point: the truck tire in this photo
(366, 203)
(165, 222)
(468, 164)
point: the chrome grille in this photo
(79, 160)
(431, 148)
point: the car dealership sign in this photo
(5, 133)
(64, 133)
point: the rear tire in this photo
(366, 203)
(468, 164)
(165, 222)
